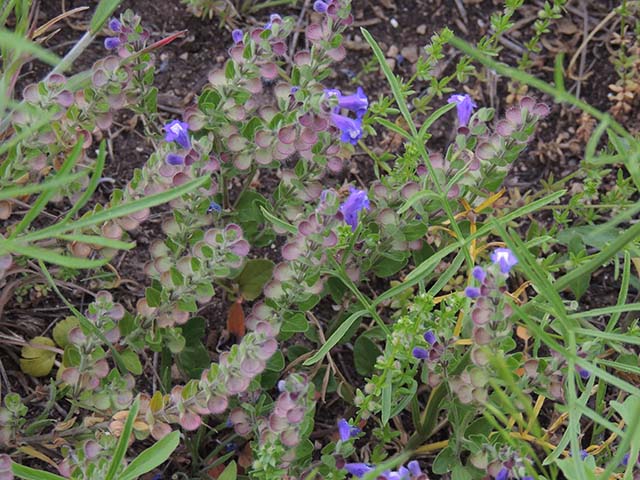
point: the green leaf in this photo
(152, 457)
(49, 256)
(60, 332)
(29, 473)
(35, 361)
(365, 353)
(131, 361)
(386, 267)
(153, 297)
(276, 362)
(229, 473)
(194, 357)
(254, 276)
(295, 323)
(444, 462)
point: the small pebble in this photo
(392, 63)
(422, 29)
(394, 23)
(410, 53)
(393, 51)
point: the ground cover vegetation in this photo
(328, 260)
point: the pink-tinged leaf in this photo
(453, 192)
(290, 438)
(218, 404)
(291, 251)
(243, 162)
(267, 349)
(541, 110)
(287, 135)
(263, 156)
(504, 128)
(485, 151)
(263, 138)
(303, 57)
(277, 423)
(514, 115)
(269, 71)
(528, 103)
(337, 54)
(190, 421)
(160, 430)
(279, 48)
(237, 384)
(241, 247)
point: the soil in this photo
(401, 27)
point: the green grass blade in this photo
(49, 256)
(29, 473)
(333, 340)
(118, 211)
(19, 45)
(93, 183)
(123, 442)
(53, 184)
(152, 457)
(100, 241)
(103, 11)
(45, 196)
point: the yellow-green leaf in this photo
(61, 330)
(37, 361)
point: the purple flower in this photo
(414, 468)
(111, 43)
(420, 353)
(357, 103)
(115, 25)
(472, 292)
(358, 469)
(174, 159)
(430, 338)
(346, 431)
(214, 207)
(583, 454)
(356, 201)
(274, 17)
(351, 129)
(320, 6)
(294, 90)
(584, 373)
(479, 273)
(464, 106)
(503, 474)
(504, 258)
(179, 132)
(237, 35)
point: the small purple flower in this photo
(115, 25)
(420, 353)
(358, 469)
(237, 35)
(174, 159)
(504, 258)
(351, 129)
(346, 431)
(214, 207)
(464, 107)
(356, 201)
(583, 454)
(179, 132)
(111, 43)
(584, 373)
(503, 474)
(430, 338)
(294, 90)
(281, 385)
(320, 6)
(274, 17)
(357, 103)
(479, 273)
(414, 468)
(472, 292)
